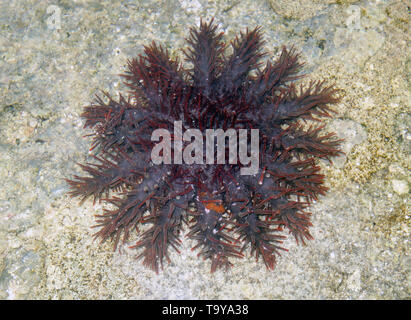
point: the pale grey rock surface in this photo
(49, 71)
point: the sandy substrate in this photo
(53, 61)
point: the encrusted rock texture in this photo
(54, 59)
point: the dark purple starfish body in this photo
(226, 212)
